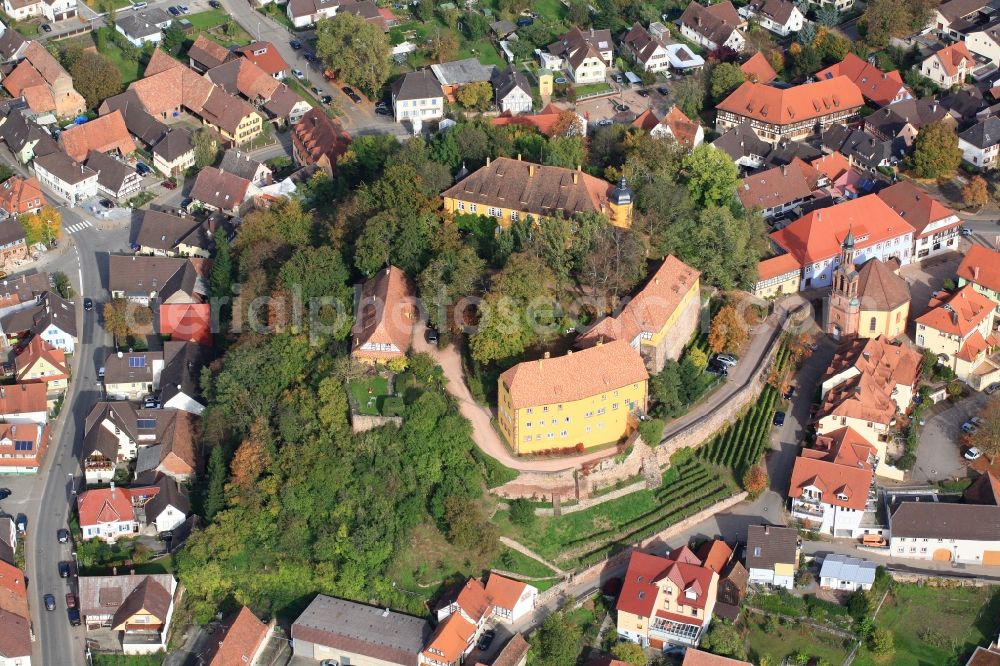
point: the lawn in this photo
(793, 639)
(553, 10)
(277, 13)
(587, 535)
(207, 20)
(107, 659)
(483, 50)
(592, 88)
(934, 625)
(369, 393)
(307, 95)
(129, 69)
(519, 563)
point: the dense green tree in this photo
(616, 263)
(828, 16)
(206, 147)
(566, 151)
(221, 278)
(726, 249)
(689, 94)
(710, 175)
(629, 652)
(356, 49)
(173, 37)
(724, 639)
(475, 25)
(557, 642)
(476, 96)
(935, 151)
(452, 274)
(62, 285)
(215, 494)
(726, 77)
(95, 77)
(522, 512)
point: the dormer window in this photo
(690, 594)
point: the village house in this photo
(744, 147)
(945, 532)
(132, 375)
(936, 227)
(22, 291)
(205, 54)
(22, 447)
(550, 121)
(794, 113)
(895, 366)
(115, 179)
(757, 69)
(585, 55)
(174, 152)
(218, 190)
(145, 280)
(512, 600)
(863, 150)
(244, 78)
(175, 455)
(104, 134)
(949, 66)
(180, 379)
(304, 13)
(20, 196)
(840, 572)
(877, 87)
(386, 315)
(141, 27)
(958, 329)
(348, 631)
(461, 615)
(25, 139)
(659, 320)
(42, 363)
(241, 164)
(683, 60)
(51, 10)
(265, 56)
(417, 96)
(953, 17)
(666, 600)
(13, 245)
(50, 317)
(15, 618)
(832, 484)
(453, 75)
(674, 124)
(781, 189)
(538, 191)
(163, 234)
(723, 560)
(511, 91)
(43, 83)
(244, 640)
(985, 42)
(645, 49)
(869, 302)
(576, 401)
(108, 514)
(905, 119)
(71, 181)
(980, 144)
(24, 404)
(980, 268)
(773, 555)
(782, 17)
(319, 140)
(713, 26)
(141, 125)
(186, 321)
(139, 607)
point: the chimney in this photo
(487, 160)
(519, 157)
(576, 177)
(112, 490)
(531, 170)
(975, 272)
(545, 355)
(119, 354)
(114, 571)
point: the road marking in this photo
(79, 226)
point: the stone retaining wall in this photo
(363, 423)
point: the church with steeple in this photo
(867, 301)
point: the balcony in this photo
(675, 631)
(811, 509)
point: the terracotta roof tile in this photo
(959, 313)
(207, 52)
(683, 128)
(695, 657)
(104, 134)
(833, 165)
(880, 87)
(574, 376)
(19, 195)
(386, 314)
(715, 555)
(160, 61)
(265, 56)
(953, 56)
(44, 62)
(105, 505)
(981, 265)
(317, 136)
(23, 76)
(758, 69)
(504, 592)
(22, 399)
(792, 105)
(220, 189)
(242, 640)
(38, 350)
(918, 207)
(450, 640)
(13, 590)
(880, 288)
(779, 265)
(842, 483)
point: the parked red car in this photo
(70, 600)
(169, 184)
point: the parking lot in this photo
(601, 108)
(939, 453)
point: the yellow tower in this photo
(545, 83)
(620, 202)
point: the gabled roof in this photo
(715, 555)
(144, 274)
(104, 134)
(385, 311)
(240, 164)
(450, 640)
(984, 134)
(880, 288)
(149, 596)
(163, 231)
(842, 567)
(742, 141)
(792, 105)
(11, 41)
(546, 121)
(832, 165)
(504, 592)
(952, 57)
(782, 264)
(695, 657)
(462, 72)
(220, 189)
(140, 124)
(18, 132)
(39, 350)
(161, 61)
(506, 79)
(50, 310)
(843, 484)
(111, 173)
(173, 144)
(574, 376)
(889, 363)
(918, 207)
(959, 313)
(264, 55)
(645, 571)
(643, 44)
(169, 494)
(984, 490)
(716, 22)
(945, 520)
(890, 120)
(44, 62)
(420, 84)
(875, 85)
(243, 637)
(779, 11)
(317, 135)
(146, 23)
(242, 76)
(768, 545)
(105, 505)
(206, 52)
(577, 45)
(683, 129)
(19, 195)
(62, 167)
(817, 235)
(774, 187)
(182, 365)
(981, 265)
(758, 69)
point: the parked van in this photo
(138, 5)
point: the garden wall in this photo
(363, 423)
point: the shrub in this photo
(393, 406)
(651, 431)
(522, 512)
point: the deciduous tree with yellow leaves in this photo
(43, 226)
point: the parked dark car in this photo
(107, 203)
(779, 418)
(215, 4)
(50, 602)
(295, 44)
(326, 99)
(70, 600)
(143, 168)
(663, 91)
(46, 27)
(74, 616)
(88, 304)
(64, 569)
(382, 111)
(4, 493)
(524, 22)
(642, 92)
(63, 535)
(353, 95)
(486, 640)
(174, 11)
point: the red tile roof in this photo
(243, 638)
(818, 235)
(833, 166)
(386, 314)
(715, 555)
(450, 640)
(638, 595)
(918, 207)
(683, 128)
(104, 134)
(695, 657)
(19, 195)
(264, 55)
(503, 591)
(105, 505)
(981, 265)
(880, 87)
(951, 57)
(38, 349)
(959, 313)
(833, 473)
(779, 265)
(22, 399)
(801, 103)
(758, 69)
(13, 591)
(474, 600)
(187, 321)
(545, 121)
(317, 136)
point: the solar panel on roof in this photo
(137, 362)
(23, 445)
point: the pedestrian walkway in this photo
(79, 226)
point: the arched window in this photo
(872, 324)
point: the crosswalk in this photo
(79, 226)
